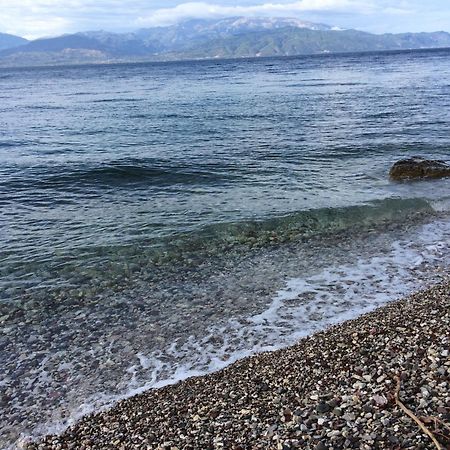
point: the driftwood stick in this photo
(436, 421)
(409, 413)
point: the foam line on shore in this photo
(341, 379)
(304, 306)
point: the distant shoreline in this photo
(119, 63)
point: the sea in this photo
(162, 220)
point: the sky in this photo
(42, 18)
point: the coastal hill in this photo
(10, 41)
(236, 37)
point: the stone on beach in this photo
(419, 168)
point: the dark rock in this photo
(214, 413)
(287, 413)
(367, 409)
(321, 446)
(4, 400)
(333, 403)
(417, 168)
(393, 439)
(323, 408)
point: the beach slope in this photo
(335, 389)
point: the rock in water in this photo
(417, 168)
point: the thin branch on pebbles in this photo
(436, 421)
(413, 416)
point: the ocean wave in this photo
(247, 235)
(303, 224)
(44, 107)
(11, 144)
(113, 175)
(150, 252)
(118, 100)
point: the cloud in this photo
(168, 16)
(398, 11)
(37, 18)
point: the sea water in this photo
(159, 221)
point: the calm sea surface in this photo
(162, 220)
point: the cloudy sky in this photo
(38, 18)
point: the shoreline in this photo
(333, 389)
(406, 258)
(209, 59)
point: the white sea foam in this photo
(441, 204)
(306, 304)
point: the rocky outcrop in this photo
(419, 168)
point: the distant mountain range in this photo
(236, 37)
(9, 41)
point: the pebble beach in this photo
(336, 389)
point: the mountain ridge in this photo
(10, 41)
(233, 37)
